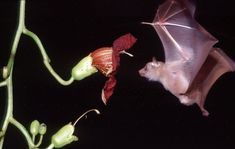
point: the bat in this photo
(192, 65)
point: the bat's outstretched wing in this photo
(182, 37)
(216, 64)
(191, 65)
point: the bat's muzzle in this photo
(141, 72)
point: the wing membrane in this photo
(182, 37)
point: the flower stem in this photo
(46, 59)
(19, 30)
(3, 83)
(9, 109)
(23, 131)
(7, 75)
(40, 141)
(22, 29)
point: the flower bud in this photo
(42, 129)
(34, 127)
(64, 136)
(83, 69)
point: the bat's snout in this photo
(141, 72)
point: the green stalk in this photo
(23, 131)
(3, 83)
(19, 31)
(9, 106)
(46, 59)
(8, 117)
(9, 109)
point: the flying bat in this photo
(192, 64)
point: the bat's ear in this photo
(154, 60)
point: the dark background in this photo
(140, 114)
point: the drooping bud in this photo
(64, 136)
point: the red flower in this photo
(106, 60)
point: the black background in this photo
(140, 114)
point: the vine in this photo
(63, 136)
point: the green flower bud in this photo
(64, 136)
(34, 127)
(42, 129)
(83, 69)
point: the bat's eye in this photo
(149, 67)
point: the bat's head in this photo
(152, 70)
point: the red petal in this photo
(107, 60)
(124, 42)
(108, 89)
(102, 60)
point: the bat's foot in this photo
(201, 106)
(204, 112)
(185, 100)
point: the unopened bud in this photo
(42, 129)
(34, 127)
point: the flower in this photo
(106, 60)
(103, 60)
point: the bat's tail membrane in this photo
(227, 61)
(233, 65)
(216, 64)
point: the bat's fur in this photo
(173, 78)
(192, 64)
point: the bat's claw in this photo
(147, 23)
